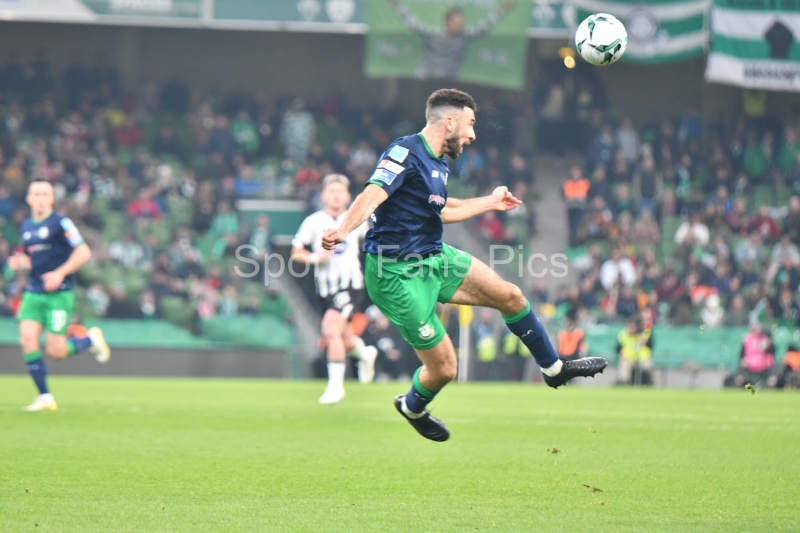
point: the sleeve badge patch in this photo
(384, 176)
(398, 153)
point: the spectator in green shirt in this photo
(754, 160)
(225, 229)
(788, 150)
(245, 133)
(276, 304)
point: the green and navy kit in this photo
(49, 243)
(410, 220)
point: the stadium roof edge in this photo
(232, 24)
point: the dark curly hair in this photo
(449, 98)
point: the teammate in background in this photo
(53, 252)
(340, 285)
(408, 268)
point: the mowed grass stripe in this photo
(250, 455)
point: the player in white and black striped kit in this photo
(340, 284)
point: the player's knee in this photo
(449, 371)
(332, 329)
(515, 295)
(57, 348)
(29, 343)
(514, 300)
(446, 371)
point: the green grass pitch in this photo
(249, 455)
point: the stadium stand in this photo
(153, 184)
(686, 224)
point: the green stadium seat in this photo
(112, 273)
(575, 252)
(161, 229)
(205, 245)
(669, 226)
(89, 274)
(114, 225)
(84, 309)
(762, 195)
(163, 232)
(135, 282)
(782, 195)
(9, 232)
(249, 331)
(180, 210)
(102, 205)
(175, 310)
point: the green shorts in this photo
(53, 310)
(406, 291)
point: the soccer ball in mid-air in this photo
(601, 39)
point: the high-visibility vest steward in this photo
(638, 346)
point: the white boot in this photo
(43, 402)
(102, 352)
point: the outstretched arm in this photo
(456, 210)
(486, 25)
(365, 204)
(412, 22)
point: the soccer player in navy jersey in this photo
(53, 250)
(408, 268)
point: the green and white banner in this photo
(658, 31)
(321, 15)
(191, 9)
(146, 12)
(478, 41)
(756, 44)
(550, 18)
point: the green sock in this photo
(33, 356)
(418, 397)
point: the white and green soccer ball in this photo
(601, 39)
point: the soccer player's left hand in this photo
(52, 281)
(504, 200)
(332, 237)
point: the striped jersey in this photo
(342, 270)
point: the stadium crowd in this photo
(681, 222)
(688, 223)
(152, 181)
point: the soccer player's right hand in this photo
(19, 261)
(322, 257)
(332, 237)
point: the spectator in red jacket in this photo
(491, 227)
(144, 207)
(765, 225)
(129, 134)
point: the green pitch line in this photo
(228, 455)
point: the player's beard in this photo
(453, 147)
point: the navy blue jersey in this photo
(49, 243)
(410, 220)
